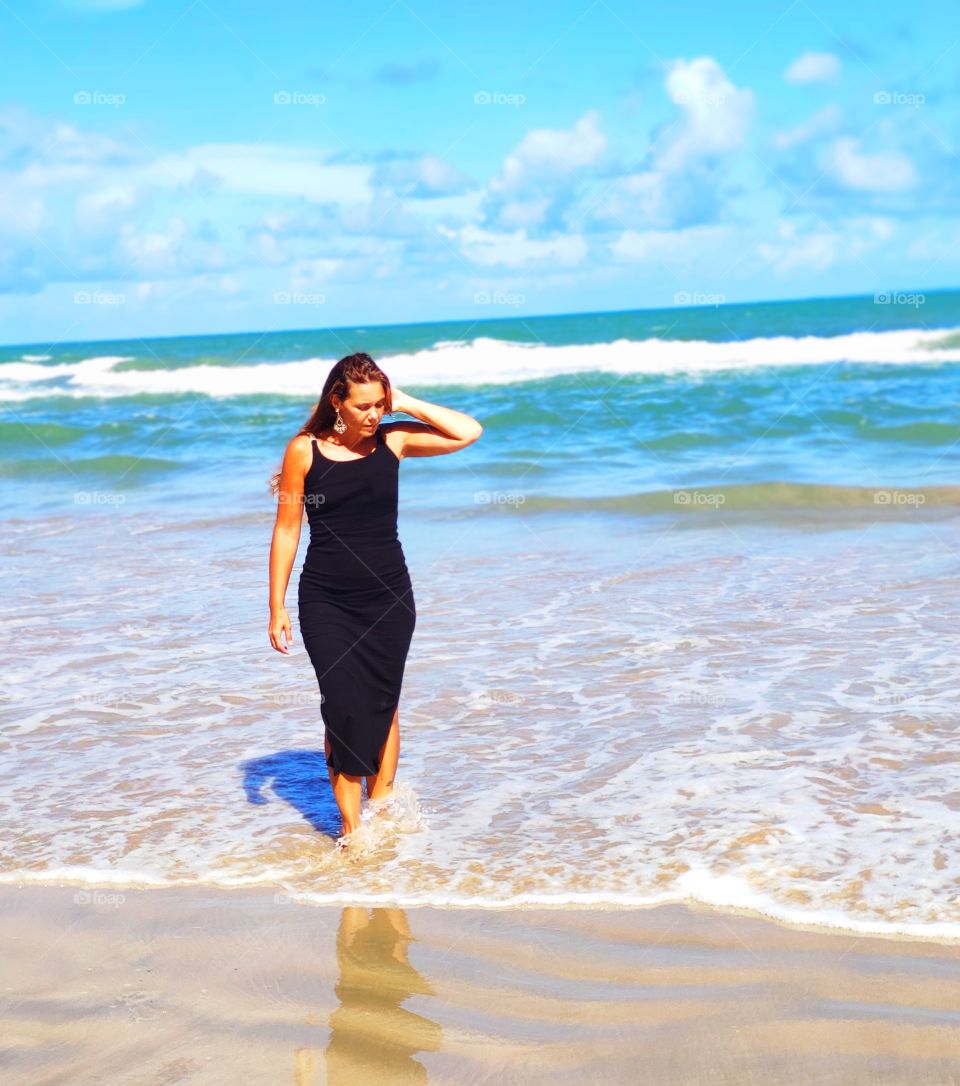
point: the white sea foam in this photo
(482, 361)
(771, 732)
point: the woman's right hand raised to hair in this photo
(280, 624)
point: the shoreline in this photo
(275, 892)
(189, 984)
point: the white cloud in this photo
(422, 176)
(671, 247)
(319, 271)
(816, 251)
(269, 248)
(813, 68)
(154, 252)
(524, 213)
(683, 183)
(716, 114)
(540, 187)
(887, 171)
(546, 152)
(100, 207)
(514, 250)
(265, 170)
(821, 247)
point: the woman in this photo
(356, 606)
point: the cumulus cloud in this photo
(558, 180)
(540, 176)
(822, 166)
(516, 250)
(256, 169)
(546, 152)
(884, 171)
(812, 246)
(790, 250)
(716, 115)
(675, 248)
(421, 176)
(683, 179)
(82, 205)
(99, 208)
(813, 68)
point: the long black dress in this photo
(356, 605)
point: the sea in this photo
(687, 616)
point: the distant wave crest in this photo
(481, 361)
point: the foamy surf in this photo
(602, 707)
(381, 820)
(483, 360)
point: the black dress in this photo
(356, 606)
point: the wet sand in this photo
(159, 987)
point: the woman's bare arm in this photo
(286, 537)
(446, 431)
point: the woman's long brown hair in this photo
(355, 369)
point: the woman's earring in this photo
(339, 425)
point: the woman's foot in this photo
(346, 831)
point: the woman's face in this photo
(363, 408)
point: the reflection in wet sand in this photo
(373, 1038)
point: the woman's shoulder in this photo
(393, 436)
(300, 451)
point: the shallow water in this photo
(686, 617)
(748, 716)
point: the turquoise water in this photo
(686, 615)
(840, 392)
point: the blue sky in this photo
(190, 167)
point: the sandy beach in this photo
(212, 987)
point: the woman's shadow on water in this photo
(301, 778)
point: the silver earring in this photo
(339, 425)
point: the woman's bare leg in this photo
(346, 791)
(381, 784)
